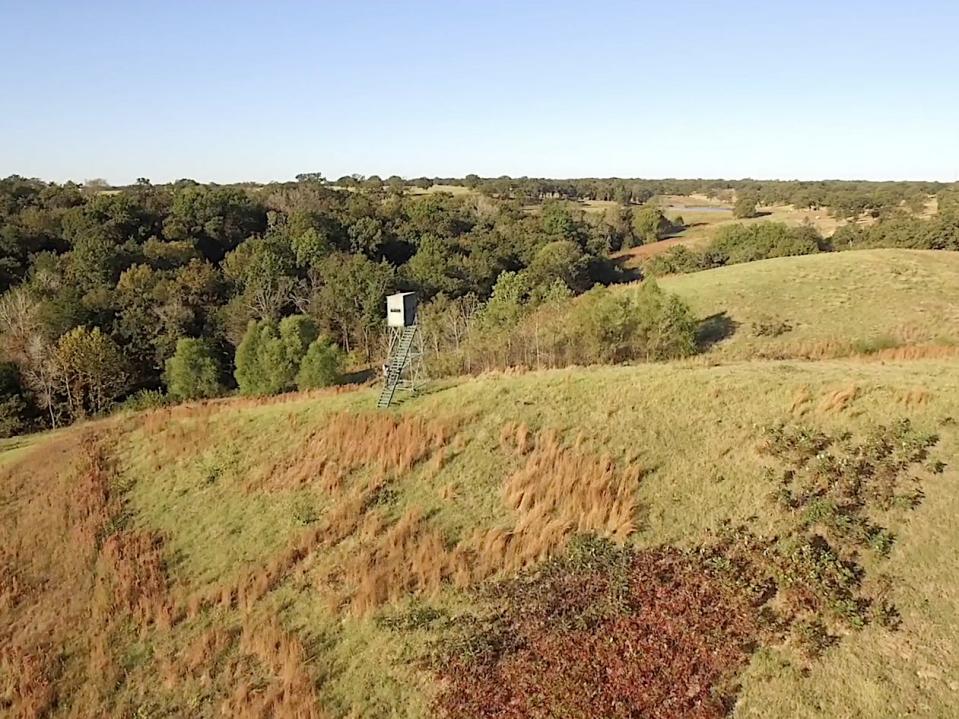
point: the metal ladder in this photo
(397, 363)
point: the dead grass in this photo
(838, 400)
(382, 444)
(288, 691)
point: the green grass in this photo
(835, 304)
(197, 477)
(694, 429)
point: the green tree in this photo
(351, 298)
(270, 354)
(650, 224)
(321, 366)
(433, 268)
(216, 219)
(92, 370)
(745, 205)
(193, 372)
(563, 261)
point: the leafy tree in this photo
(321, 366)
(562, 261)
(193, 372)
(508, 303)
(351, 298)
(433, 268)
(745, 206)
(366, 236)
(650, 224)
(269, 357)
(264, 273)
(92, 370)
(16, 406)
(217, 220)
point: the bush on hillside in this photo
(745, 206)
(321, 366)
(746, 243)
(676, 260)
(270, 354)
(649, 224)
(600, 327)
(193, 372)
(738, 243)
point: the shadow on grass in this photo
(713, 329)
(359, 376)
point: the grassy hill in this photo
(829, 305)
(297, 551)
(751, 538)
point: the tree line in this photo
(185, 290)
(188, 290)
(844, 198)
(737, 243)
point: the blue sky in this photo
(226, 91)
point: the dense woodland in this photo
(148, 292)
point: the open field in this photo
(246, 506)
(701, 225)
(831, 304)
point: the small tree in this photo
(92, 370)
(270, 354)
(562, 261)
(322, 365)
(193, 372)
(650, 224)
(745, 206)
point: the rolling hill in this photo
(829, 305)
(308, 556)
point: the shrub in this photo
(321, 366)
(649, 224)
(603, 632)
(676, 260)
(145, 399)
(270, 354)
(193, 371)
(666, 326)
(760, 241)
(745, 206)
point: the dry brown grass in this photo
(65, 509)
(801, 402)
(555, 493)
(380, 443)
(838, 400)
(288, 691)
(915, 397)
(137, 574)
(913, 352)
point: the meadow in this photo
(778, 509)
(879, 302)
(316, 522)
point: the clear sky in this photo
(234, 90)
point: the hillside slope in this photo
(305, 556)
(828, 305)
